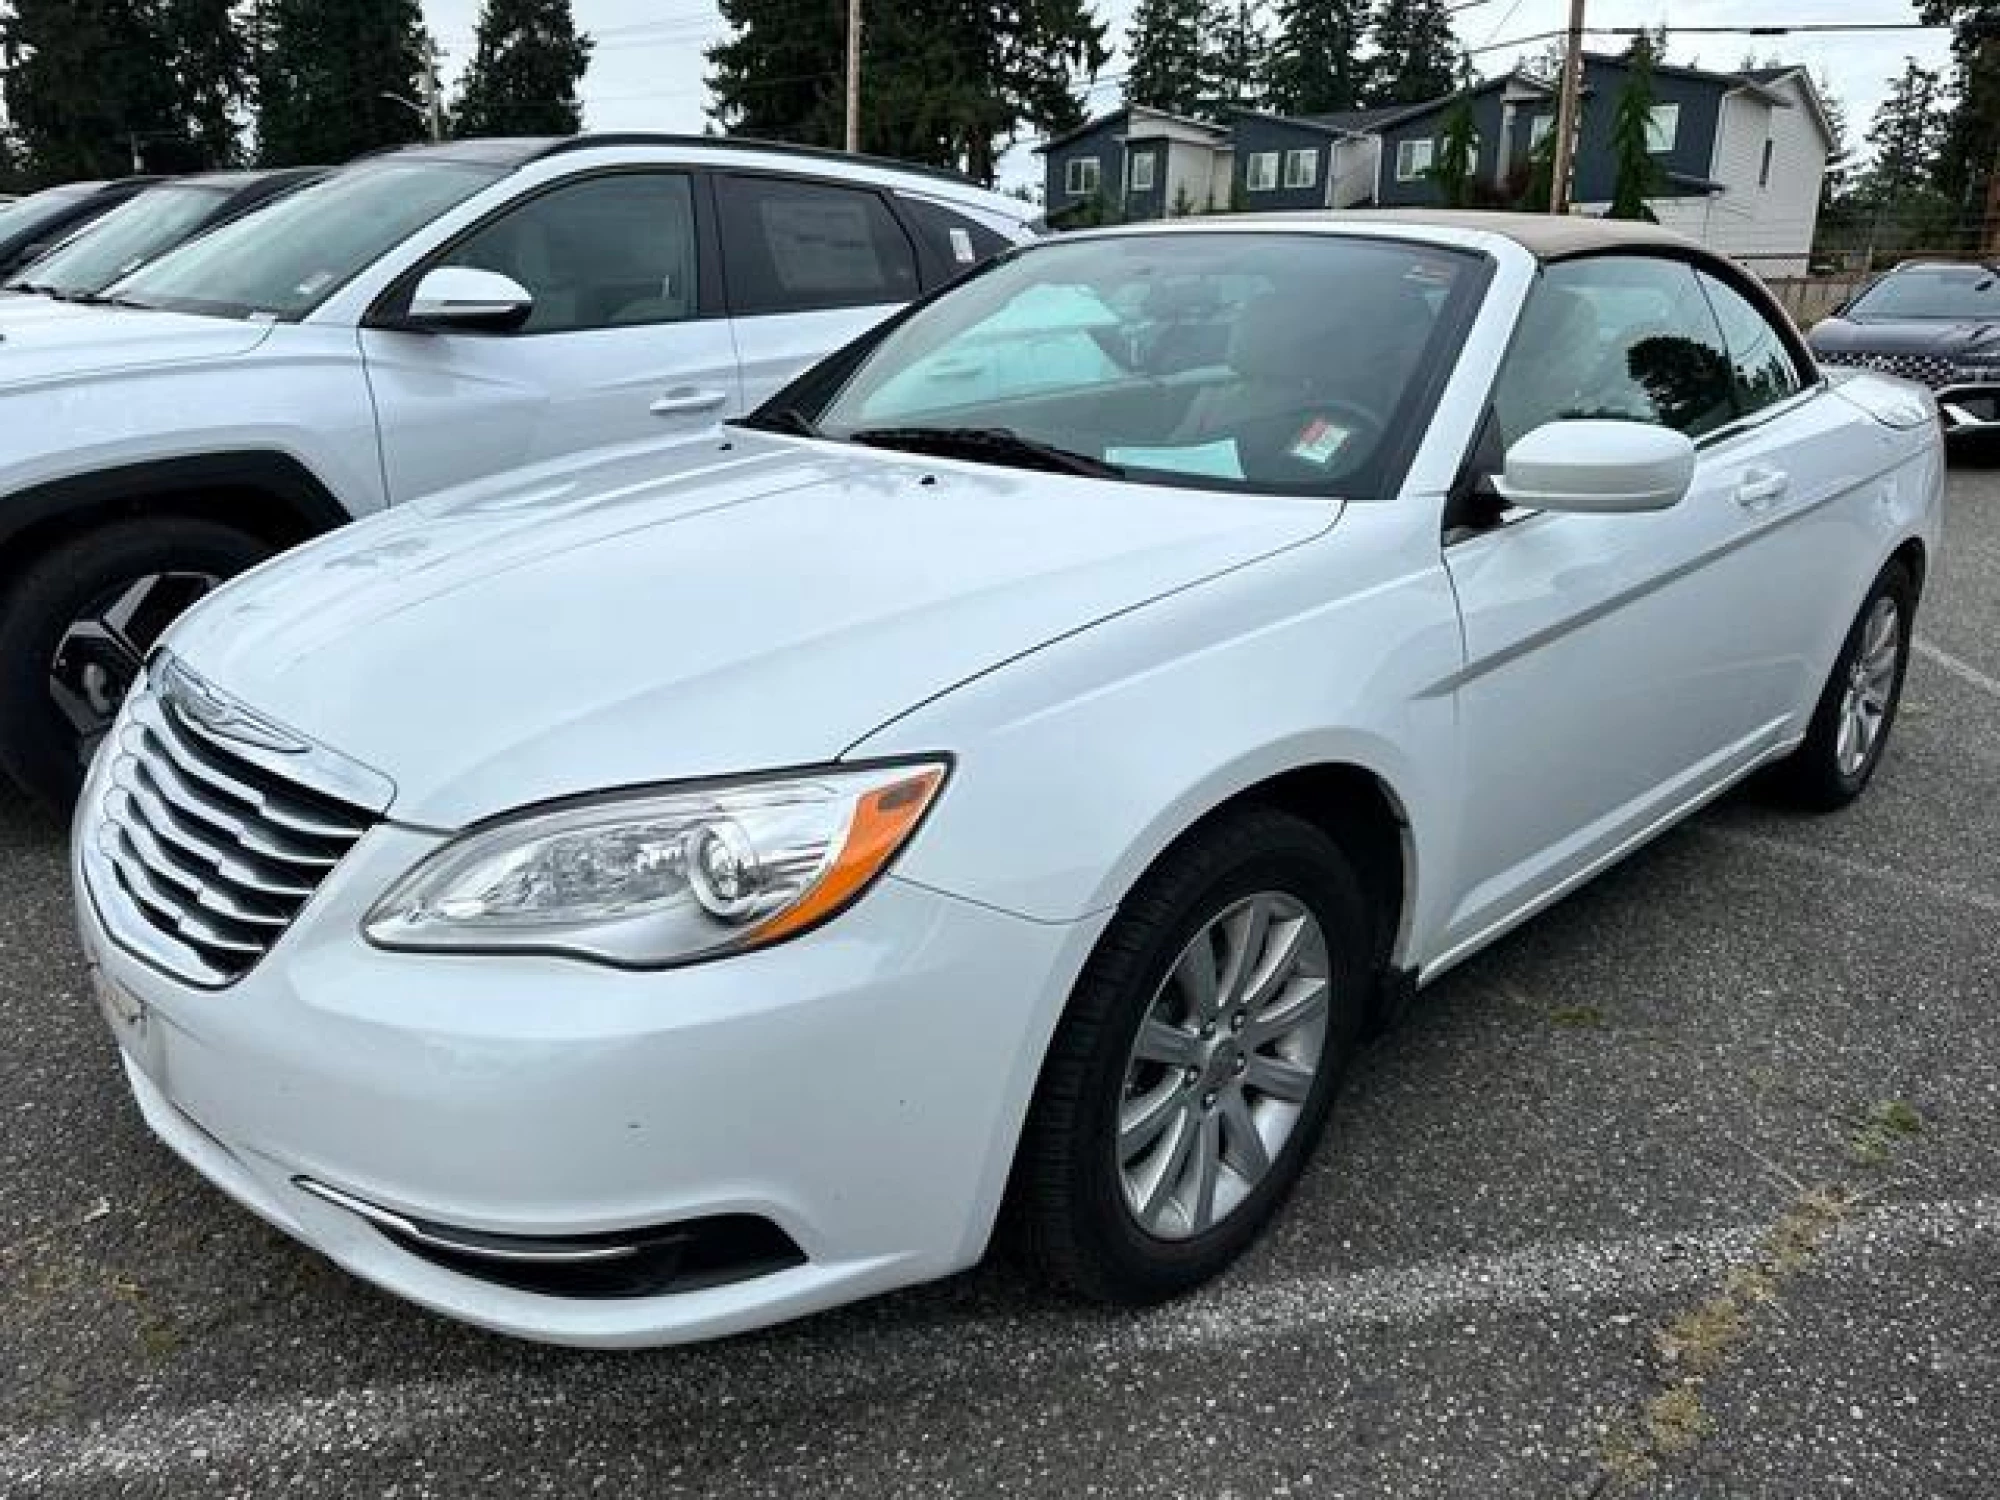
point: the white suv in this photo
(423, 318)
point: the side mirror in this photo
(461, 297)
(1598, 467)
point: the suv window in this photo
(951, 243)
(1625, 337)
(606, 252)
(794, 246)
(1762, 367)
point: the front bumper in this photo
(860, 1089)
(1969, 406)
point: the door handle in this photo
(1762, 487)
(686, 399)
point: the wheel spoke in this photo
(1244, 933)
(1207, 1166)
(1141, 1121)
(1162, 1043)
(1300, 1003)
(1278, 1077)
(1242, 1146)
(1170, 1164)
(1281, 958)
(1197, 978)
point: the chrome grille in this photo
(1933, 370)
(212, 828)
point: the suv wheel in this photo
(1196, 1063)
(76, 627)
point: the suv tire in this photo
(82, 598)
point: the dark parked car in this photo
(1930, 321)
(149, 224)
(34, 225)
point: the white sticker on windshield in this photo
(961, 246)
(312, 283)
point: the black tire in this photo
(40, 747)
(1067, 1214)
(1812, 776)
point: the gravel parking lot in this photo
(1687, 1189)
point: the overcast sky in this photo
(646, 73)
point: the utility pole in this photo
(431, 91)
(1568, 103)
(853, 75)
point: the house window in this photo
(1764, 171)
(1538, 130)
(1261, 175)
(1301, 168)
(1413, 159)
(1663, 123)
(1081, 175)
(1142, 172)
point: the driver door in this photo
(1618, 667)
(626, 342)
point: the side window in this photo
(951, 243)
(1623, 337)
(795, 246)
(606, 252)
(1761, 365)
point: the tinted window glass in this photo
(124, 239)
(1762, 366)
(607, 252)
(289, 257)
(1623, 337)
(951, 243)
(1932, 292)
(1268, 362)
(793, 246)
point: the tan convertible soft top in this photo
(1545, 236)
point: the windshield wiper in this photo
(1000, 445)
(785, 419)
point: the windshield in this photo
(1932, 292)
(286, 259)
(122, 240)
(28, 214)
(1248, 361)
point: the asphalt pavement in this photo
(1687, 1189)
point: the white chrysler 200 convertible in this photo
(996, 785)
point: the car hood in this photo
(1904, 335)
(43, 340)
(702, 611)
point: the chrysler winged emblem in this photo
(221, 716)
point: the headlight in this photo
(662, 878)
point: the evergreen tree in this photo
(945, 82)
(1416, 54)
(210, 55)
(1907, 138)
(1170, 56)
(1637, 171)
(1972, 140)
(1235, 62)
(1457, 161)
(1315, 63)
(326, 67)
(1840, 151)
(84, 88)
(527, 61)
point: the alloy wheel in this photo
(102, 652)
(1224, 1061)
(1871, 685)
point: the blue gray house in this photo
(1741, 156)
(1136, 163)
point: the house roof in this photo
(1065, 137)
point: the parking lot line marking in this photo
(1965, 671)
(1242, 1310)
(1854, 869)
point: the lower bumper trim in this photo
(690, 1255)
